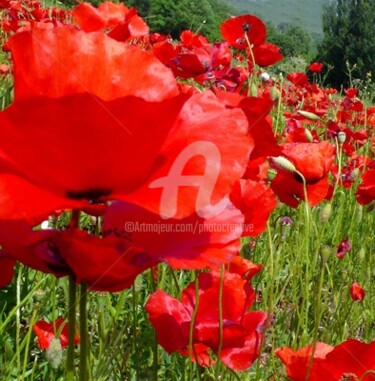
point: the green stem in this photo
(220, 302)
(192, 323)
(135, 339)
(83, 330)
(70, 370)
(317, 319)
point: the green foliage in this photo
(172, 17)
(348, 45)
(292, 40)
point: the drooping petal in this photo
(242, 357)
(190, 243)
(106, 264)
(170, 320)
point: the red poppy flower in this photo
(366, 191)
(343, 247)
(77, 115)
(242, 330)
(46, 332)
(313, 161)
(256, 201)
(233, 31)
(347, 361)
(267, 54)
(357, 293)
(316, 67)
(299, 79)
(120, 22)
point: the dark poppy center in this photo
(349, 377)
(299, 179)
(246, 27)
(89, 194)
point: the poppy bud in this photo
(275, 93)
(308, 135)
(283, 163)
(325, 212)
(325, 253)
(357, 293)
(254, 90)
(359, 210)
(54, 353)
(341, 137)
(308, 115)
(361, 254)
(355, 173)
(286, 224)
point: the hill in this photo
(305, 13)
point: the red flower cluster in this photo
(219, 318)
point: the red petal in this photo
(106, 264)
(296, 362)
(189, 243)
(256, 201)
(241, 358)
(6, 265)
(170, 320)
(84, 154)
(216, 141)
(60, 62)
(20, 199)
(89, 18)
(267, 54)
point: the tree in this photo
(292, 40)
(348, 45)
(172, 16)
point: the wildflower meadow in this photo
(179, 209)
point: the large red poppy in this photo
(242, 330)
(347, 361)
(83, 137)
(313, 161)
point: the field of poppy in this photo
(176, 210)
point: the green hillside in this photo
(305, 13)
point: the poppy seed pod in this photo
(54, 353)
(325, 213)
(275, 93)
(341, 137)
(283, 163)
(308, 135)
(325, 253)
(308, 115)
